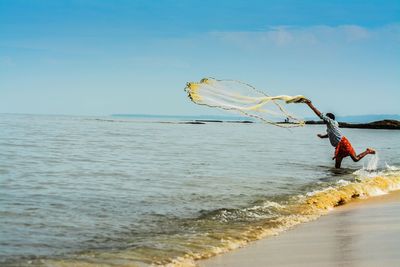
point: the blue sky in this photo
(103, 57)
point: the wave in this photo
(218, 231)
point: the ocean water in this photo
(112, 191)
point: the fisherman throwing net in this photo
(243, 98)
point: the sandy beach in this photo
(361, 233)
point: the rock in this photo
(383, 124)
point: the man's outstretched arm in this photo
(316, 111)
(322, 135)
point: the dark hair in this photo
(330, 115)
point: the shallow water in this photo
(76, 185)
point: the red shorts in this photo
(344, 149)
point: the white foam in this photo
(391, 168)
(342, 182)
(364, 173)
(310, 194)
(377, 192)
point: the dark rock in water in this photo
(208, 121)
(315, 122)
(288, 122)
(219, 121)
(383, 124)
(192, 122)
(240, 121)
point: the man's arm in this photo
(316, 111)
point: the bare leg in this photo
(338, 162)
(356, 158)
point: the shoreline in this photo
(363, 233)
(222, 248)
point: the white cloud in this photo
(354, 33)
(288, 35)
(6, 61)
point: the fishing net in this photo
(243, 98)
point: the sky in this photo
(105, 57)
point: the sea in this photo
(113, 191)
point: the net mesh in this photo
(245, 99)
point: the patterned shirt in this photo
(333, 130)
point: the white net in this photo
(243, 98)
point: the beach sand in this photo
(361, 233)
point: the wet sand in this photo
(361, 233)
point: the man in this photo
(342, 146)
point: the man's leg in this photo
(356, 158)
(338, 162)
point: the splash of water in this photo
(373, 163)
(370, 170)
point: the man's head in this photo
(330, 115)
